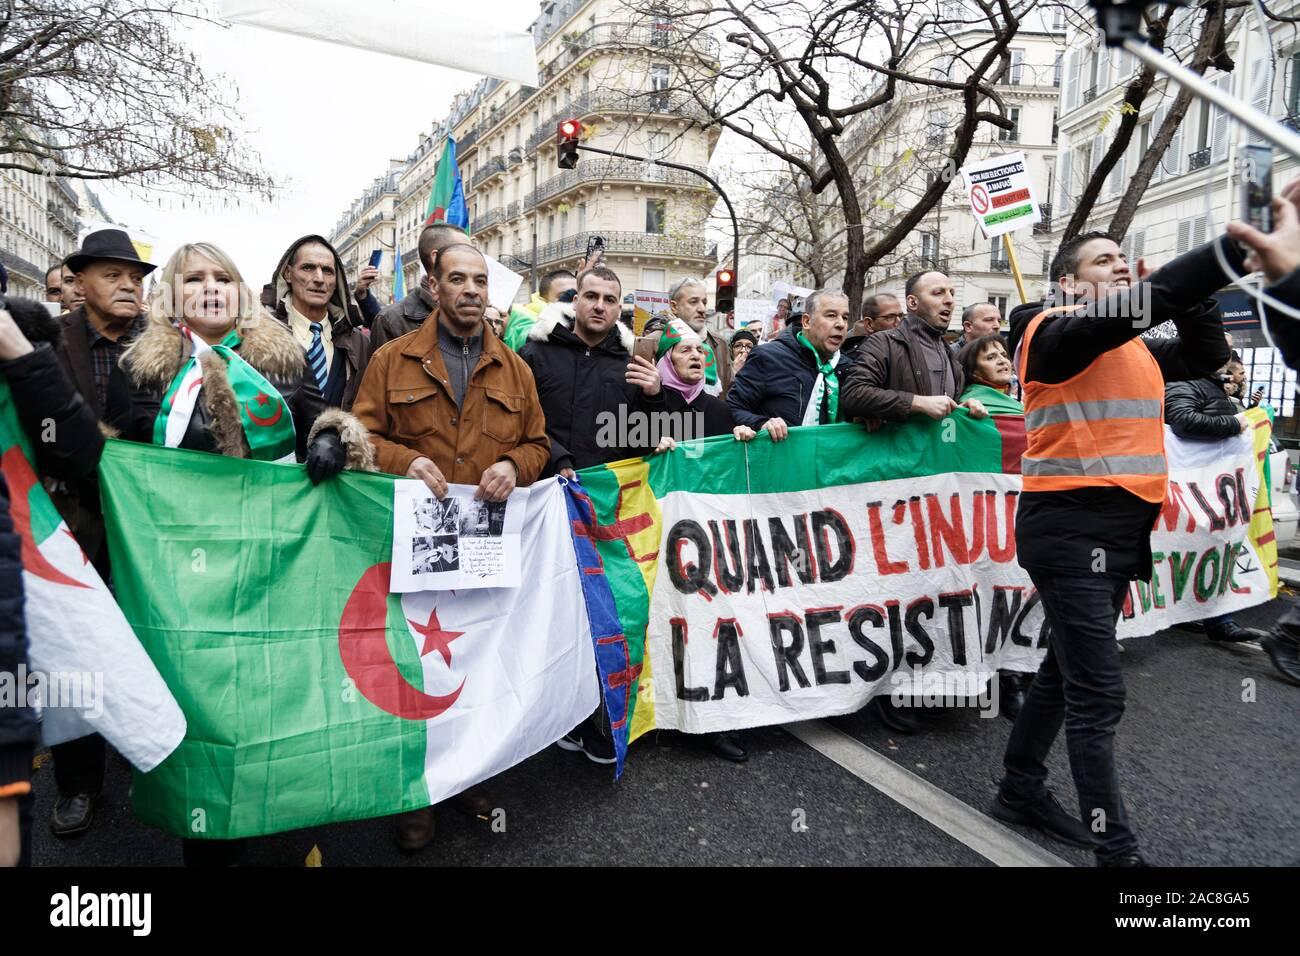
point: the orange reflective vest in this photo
(1104, 427)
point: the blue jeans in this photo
(1079, 684)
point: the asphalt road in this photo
(1210, 779)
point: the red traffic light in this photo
(724, 277)
(567, 134)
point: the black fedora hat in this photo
(111, 244)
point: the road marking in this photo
(1000, 845)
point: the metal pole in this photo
(532, 268)
(735, 226)
(1245, 114)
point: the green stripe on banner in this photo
(828, 456)
(1000, 217)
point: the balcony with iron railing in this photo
(648, 102)
(410, 257)
(1198, 160)
(667, 37)
(467, 142)
(611, 170)
(491, 168)
(513, 209)
(998, 264)
(493, 217)
(1044, 225)
(1090, 94)
(630, 243)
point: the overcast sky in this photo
(326, 119)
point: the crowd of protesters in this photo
(442, 387)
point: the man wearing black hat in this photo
(110, 275)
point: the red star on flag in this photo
(435, 638)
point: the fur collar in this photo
(158, 354)
(561, 313)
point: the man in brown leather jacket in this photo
(451, 404)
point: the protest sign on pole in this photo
(754, 314)
(1001, 195)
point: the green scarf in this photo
(263, 412)
(829, 382)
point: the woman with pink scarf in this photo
(683, 363)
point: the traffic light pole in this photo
(735, 226)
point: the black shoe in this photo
(1195, 627)
(900, 720)
(1285, 656)
(73, 815)
(1128, 859)
(1230, 632)
(728, 747)
(597, 747)
(1045, 814)
(1012, 688)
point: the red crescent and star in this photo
(363, 647)
(263, 400)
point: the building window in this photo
(998, 261)
(550, 228)
(1055, 132)
(658, 145)
(654, 280)
(929, 245)
(1058, 18)
(659, 83)
(1011, 135)
(656, 212)
(1017, 65)
(582, 217)
(1001, 302)
(1056, 69)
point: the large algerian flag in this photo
(763, 582)
(313, 695)
(88, 672)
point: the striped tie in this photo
(316, 356)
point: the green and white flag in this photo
(313, 694)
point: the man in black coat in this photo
(600, 403)
(66, 441)
(593, 391)
(778, 381)
(110, 276)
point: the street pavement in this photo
(1207, 760)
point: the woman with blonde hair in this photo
(213, 371)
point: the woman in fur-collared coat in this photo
(212, 371)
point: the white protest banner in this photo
(1001, 194)
(768, 583)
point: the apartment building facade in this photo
(370, 224)
(38, 228)
(611, 66)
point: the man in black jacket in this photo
(596, 396)
(593, 391)
(67, 443)
(1083, 542)
(776, 387)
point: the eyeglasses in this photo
(896, 316)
